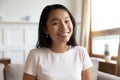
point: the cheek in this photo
(52, 31)
(71, 27)
(49, 30)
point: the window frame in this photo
(107, 32)
(114, 31)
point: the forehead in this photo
(58, 13)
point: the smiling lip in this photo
(63, 34)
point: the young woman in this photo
(57, 56)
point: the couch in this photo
(15, 72)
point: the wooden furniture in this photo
(118, 61)
(5, 61)
(107, 67)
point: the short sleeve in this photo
(31, 64)
(87, 63)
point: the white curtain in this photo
(118, 61)
(85, 24)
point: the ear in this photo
(45, 30)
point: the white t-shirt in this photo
(48, 65)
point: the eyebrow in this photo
(57, 19)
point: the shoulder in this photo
(79, 48)
(37, 51)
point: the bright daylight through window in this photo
(105, 26)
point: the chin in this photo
(65, 41)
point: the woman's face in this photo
(59, 26)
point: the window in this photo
(105, 27)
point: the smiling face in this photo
(59, 26)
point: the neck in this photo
(59, 48)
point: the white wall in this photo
(17, 10)
(16, 39)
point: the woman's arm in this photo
(87, 74)
(28, 77)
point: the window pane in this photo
(99, 43)
(105, 14)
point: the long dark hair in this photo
(44, 41)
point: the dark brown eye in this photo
(56, 23)
(67, 21)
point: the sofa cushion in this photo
(106, 76)
(95, 68)
(14, 72)
(1, 71)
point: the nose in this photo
(63, 26)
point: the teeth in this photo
(64, 34)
